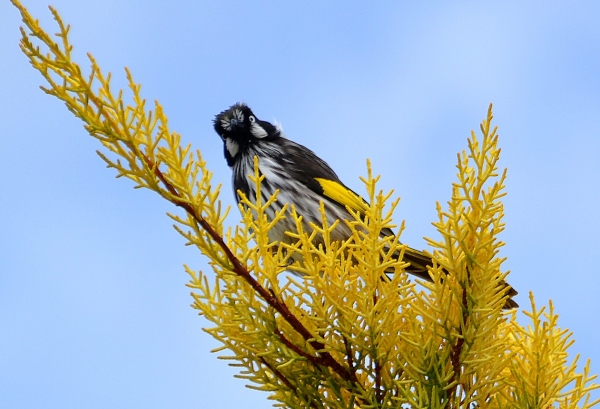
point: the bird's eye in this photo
(252, 119)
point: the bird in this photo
(303, 179)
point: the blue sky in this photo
(94, 308)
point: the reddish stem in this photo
(325, 357)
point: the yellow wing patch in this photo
(341, 194)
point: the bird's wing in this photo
(317, 176)
(306, 167)
(337, 192)
(342, 195)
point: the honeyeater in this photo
(304, 180)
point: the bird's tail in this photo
(419, 261)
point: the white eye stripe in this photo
(236, 118)
(238, 115)
(226, 124)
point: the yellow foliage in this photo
(341, 333)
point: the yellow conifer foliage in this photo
(343, 334)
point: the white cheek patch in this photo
(258, 131)
(232, 147)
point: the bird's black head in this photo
(239, 128)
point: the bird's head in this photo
(240, 128)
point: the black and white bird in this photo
(304, 180)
